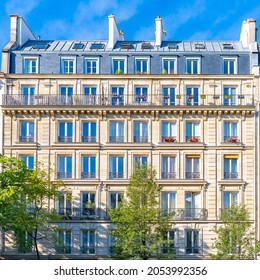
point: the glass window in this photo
(117, 96)
(116, 132)
(168, 96)
(169, 131)
(91, 66)
(229, 199)
(168, 203)
(230, 132)
(192, 132)
(230, 168)
(88, 167)
(192, 206)
(28, 95)
(88, 238)
(88, 205)
(192, 167)
(142, 66)
(192, 96)
(115, 198)
(64, 167)
(168, 66)
(64, 242)
(229, 66)
(30, 65)
(140, 96)
(140, 132)
(28, 161)
(27, 132)
(168, 167)
(192, 66)
(230, 96)
(89, 132)
(116, 167)
(66, 95)
(192, 242)
(26, 243)
(118, 66)
(68, 66)
(170, 240)
(140, 160)
(65, 132)
(64, 206)
(90, 93)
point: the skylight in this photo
(126, 46)
(97, 46)
(200, 46)
(78, 46)
(146, 46)
(173, 46)
(228, 46)
(41, 45)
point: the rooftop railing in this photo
(127, 100)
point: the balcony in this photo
(168, 139)
(193, 250)
(185, 214)
(26, 139)
(88, 175)
(124, 100)
(64, 212)
(89, 250)
(65, 139)
(116, 139)
(230, 139)
(230, 175)
(193, 139)
(192, 175)
(89, 139)
(116, 175)
(168, 175)
(63, 249)
(64, 175)
(141, 139)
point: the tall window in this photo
(192, 66)
(168, 96)
(116, 132)
(88, 167)
(68, 66)
(169, 131)
(88, 205)
(229, 199)
(66, 94)
(91, 66)
(192, 205)
(89, 132)
(64, 167)
(26, 244)
(141, 96)
(117, 96)
(88, 241)
(28, 95)
(64, 242)
(170, 240)
(192, 241)
(229, 66)
(114, 199)
(90, 95)
(142, 66)
(118, 66)
(230, 132)
(140, 160)
(28, 161)
(230, 96)
(230, 167)
(168, 66)
(140, 132)
(168, 167)
(192, 96)
(65, 132)
(64, 206)
(27, 132)
(192, 167)
(116, 167)
(168, 202)
(30, 65)
(192, 132)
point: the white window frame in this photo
(174, 59)
(88, 243)
(192, 59)
(63, 59)
(90, 58)
(119, 58)
(31, 58)
(229, 58)
(148, 64)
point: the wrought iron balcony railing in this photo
(179, 214)
(26, 139)
(88, 139)
(116, 139)
(65, 139)
(192, 175)
(116, 175)
(230, 175)
(168, 175)
(193, 250)
(127, 100)
(91, 250)
(140, 139)
(88, 175)
(64, 175)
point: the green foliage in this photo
(24, 196)
(139, 227)
(236, 238)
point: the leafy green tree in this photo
(236, 238)
(24, 197)
(140, 229)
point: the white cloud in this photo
(21, 7)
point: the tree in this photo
(140, 229)
(24, 197)
(236, 238)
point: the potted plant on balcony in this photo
(203, 96)
(193, 139)
(119, 71)
(164, 72)
(169, 139)
(178, 96)
(232, 139)
(227, 96)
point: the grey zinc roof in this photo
(136, 46)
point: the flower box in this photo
(232, 140)
(169, 139)
(193, 139)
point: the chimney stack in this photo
(114, 34)
(248, 33)
(159, 31)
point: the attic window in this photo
(146, 46)
(200, 46)
(97, 46)
(173, 46)
(228, 46)
(126, 46)
(41, 46)
(78, 46)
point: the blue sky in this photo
(87, 19)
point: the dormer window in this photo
(30, 65)
(68, 65)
